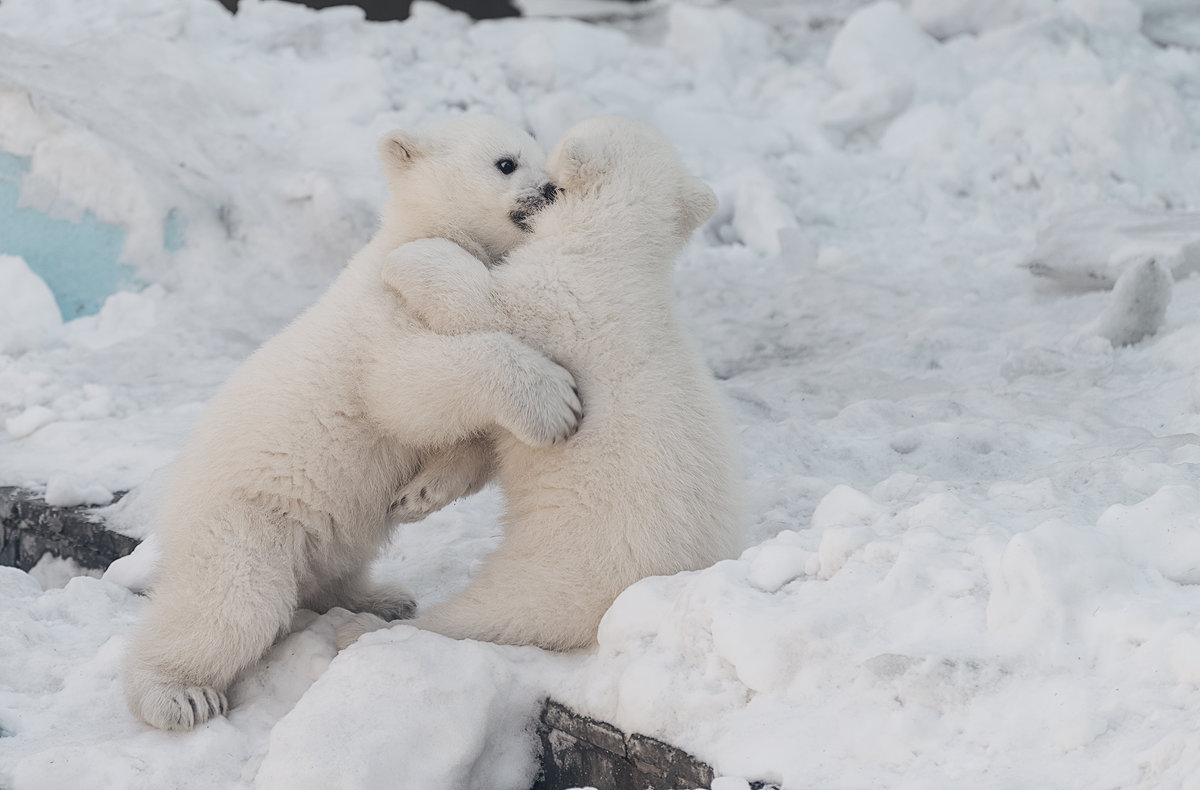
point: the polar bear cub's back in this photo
(652, 470)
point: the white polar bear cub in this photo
(285, 491)
(649, 484)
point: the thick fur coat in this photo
(649, 484)
(292, 479)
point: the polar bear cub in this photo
(649, 484)
(291, 481)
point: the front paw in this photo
(544, 406)
(171, 704)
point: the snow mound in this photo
(32, 319)
(452, 702)
(1138, 304)
(876, 59)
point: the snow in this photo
(1090, 247)
(37, 320)
(1138, 305)
(56, 572)
(69, 491)
(950, 295)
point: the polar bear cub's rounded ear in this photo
(398, 150)
(699, 204)
(575, 162)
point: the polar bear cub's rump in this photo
(649, 485)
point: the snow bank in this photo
(972, 555)
(446, 712)
(34, 318)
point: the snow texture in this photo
(36, 319)
(974, 550)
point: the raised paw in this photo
(547, 409)
(426, 493)
(171, 705)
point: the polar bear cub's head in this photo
(628, 166)
(475, 180)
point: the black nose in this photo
(549, 191)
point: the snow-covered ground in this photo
(950, 296)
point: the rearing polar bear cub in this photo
(648, 485)
(285, 491)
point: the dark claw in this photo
(195, 710)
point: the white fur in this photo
(648, 485)
(282, 495)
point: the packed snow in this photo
(950, 295)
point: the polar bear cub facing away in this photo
(282, 495)
(649, 484)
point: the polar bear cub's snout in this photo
(532, 202)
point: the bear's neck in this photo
(611, 227)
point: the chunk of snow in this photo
(69, 491)
(756, 215)
(450, 702)
(135, 571)
(1138, 304)
(874, 58)
(55, 572)
(29, 315)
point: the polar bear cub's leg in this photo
(358, 592)
(215, 608)
(355, 626)
(558, 607)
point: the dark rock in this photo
(578, 751)
(30, 528)
(385, 10)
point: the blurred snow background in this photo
(949, 294)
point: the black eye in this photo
(506, 166)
